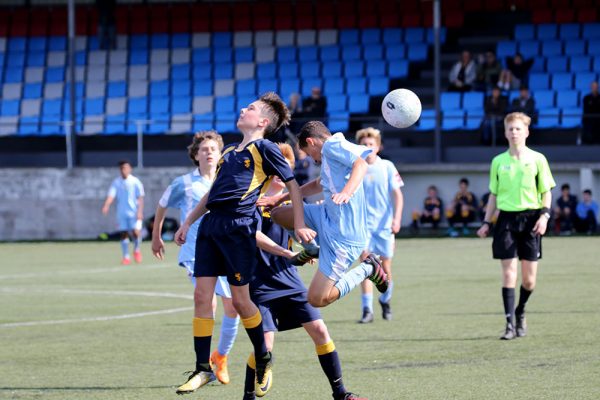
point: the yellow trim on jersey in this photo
(251, 361)
(259, 175)
(253, 321)
(326, 348)
(221, 160)
(203, 327)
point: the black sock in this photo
(523, 297)
(508, 298)
(256, 334)
(250, 377)
(330, 362)
(203, 328)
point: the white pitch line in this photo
(83, 271)
(95, 319)
(99, 292)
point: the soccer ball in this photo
(401, 108)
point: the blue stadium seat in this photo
(202, 71)
(57, 43)
(596, 64)
(29, 126)
(13, 74)
(181, 105)
(427, 121)
(94, 106)
(395, 52)
(334, 86)
(594, 48)
(373, 52)
(417, 52)
(15, 59)
(243, 101)
(357, 86)
(114, 124)
(81, 57)
(567, 98)
(474, 119)
(37, 59)
(450, 101)
(378, 86)
(583, 80)
(349, 36)
(524, 32)
(453, 119)
(138, 57)
(331, 69)
(225, 123)
(354, 68)
(288, 86)
(222, 55)
(52, 107)
(160, 41)
(286, 54)
(160, 105)
(547, 31)
(392, 35)
(543, 99)
(17, 44)
(337, 102)
(137, 105)
(398, 69)
(51, 125)
(376, 68)
(245, 87)
(132, 125)
(358, 104)
(506, 48)
(225, 104)
(138, 41)
(414, 35)
(243, 54)
(591, 31)
(55, 74)
(203, 87)
(562, 80)
(351, 52)
(223, 71)
(32, 91)
(548, 118)
(159, 88)
(310, 69)
(159, 124)
(79, 89)
(66, 110)
(575, 47)
(329, 53)
(288, 70)
(266, 70)
(551, 48)
(370, 36)
(473, 101)
(308, 53)
(202, 55)
(580, 64)
(429, 35)
(10, 107)
(180, 72)
(308, 84)
(569, 31)
(539, 81)
(221, 39)
(180, 40)
(338, 121)
(267, 85)
(557, 64)
(539, 64)
(529, 48)
(571, 117)
(203, 122)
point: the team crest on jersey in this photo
(247, 163)
(238, 276)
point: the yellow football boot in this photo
(195, 381)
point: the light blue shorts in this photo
(334, 257)
(382, 243)
(128, 224)
(221, 288)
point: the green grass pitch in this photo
(74, 324)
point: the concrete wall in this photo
(51, 204)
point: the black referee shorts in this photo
(513, 236)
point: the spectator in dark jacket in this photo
(488, 71)
(524, 103)
(516, 74)
(591, 115)
(496, 106)
(314, 106)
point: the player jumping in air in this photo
(226, 242)
(184, 193)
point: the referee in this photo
(520, 183)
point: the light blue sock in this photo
(367, 301)
(311, 247)
(137, 243)
(229, 328)
(387, 296)
(353, 278)
(125, 248)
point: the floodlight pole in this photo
(70, 128)
(437, 80)
(140, 140)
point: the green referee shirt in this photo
(518, 184)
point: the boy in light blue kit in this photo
(340, 221)
(129, 193)
(184, 193)
(382, 185)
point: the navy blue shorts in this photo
(226, 246)
(285, 313)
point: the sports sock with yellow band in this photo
(330, 362)
(255, 332)
(203, 328)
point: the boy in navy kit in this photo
(226, 241)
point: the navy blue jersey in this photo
(242, 174)
(274, 276)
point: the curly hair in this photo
(369, 133)
(288, 153)
(199, 137)
(276, 111)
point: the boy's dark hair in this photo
(313, 129)
(276, 110)
(588, 191)
(464, 180)
(565, 186)
(123, 162)
(199, 137)
(432, 187)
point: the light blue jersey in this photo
(345, 222)
(184, 193)
(381, 180)
(126, 193)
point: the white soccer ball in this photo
(401, 108)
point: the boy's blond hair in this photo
(369, 132)
(200, 137)
(288, 153)
(514, 116)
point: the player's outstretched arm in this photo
(359, 169)
(398, 207)
(303, 234)
(265, 243)
(489, 212)
(109, 200)
(158, 246)
(140, 208)
(192, 217)
(542, 223)
(308, 189)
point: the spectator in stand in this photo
(496, 106)
(524, 103)
(106, 24)
(516, 73)
(462, 210)
(488, 71)
(432, 210)
(463, 74)
(315, 106)
(591, 116)
(586, 214)
(295, 107)
(564, 210)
